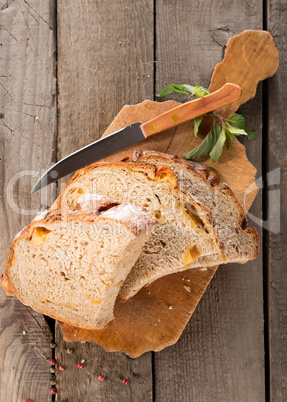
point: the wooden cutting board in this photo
(157, 315)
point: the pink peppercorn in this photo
(80, 365)
(27, 400)
(53, 362)
(53, 391)
(125, 381)
(101, 378)
(61, 367)
(101, 367)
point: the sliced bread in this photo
(71, 266)
(238, 244)
(185, 230)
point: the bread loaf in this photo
(71, 266)
(185, 230)
(238, 244)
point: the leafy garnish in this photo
(196, 91)
(231, 139)
(179, 89)
(216, 151)
(199, 92)
(197, 122)
(235, 130)
(251, 135)
(214, 142)
(207, 144)
(237, 120)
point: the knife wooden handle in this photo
(188, 111)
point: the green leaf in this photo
(237, 120)
(216, 151)
(199, 92)
(197, 122)
(207, 144)
(189, 88)
(251, 135)
(235, 130)
(176, 88)
(231, 139)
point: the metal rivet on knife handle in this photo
(188, 111)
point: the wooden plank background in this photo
(224, 337)
(121, 52)
(105, 54)
(275, 239)
(28, 133)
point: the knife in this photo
(137, 132)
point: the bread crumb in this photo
(187, 288)
(75, 334)
(203, 269)
(188, 280)
(83, 341)
(182, 279)
(23, 332)
(148, 293)
(155, 325)
(82, 361)
(171, 307)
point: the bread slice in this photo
(71, 266)
(238, 245)
(185, 230)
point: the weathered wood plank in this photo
(27, 130)
(277, 201)
(83, 385)
(105, 53)
(221, 354)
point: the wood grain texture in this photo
(277, 213)
(220, 356)
(27, 127)
(258, 59)
(105, 53)
(83, 385)
(105, 60)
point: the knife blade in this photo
(137, 132)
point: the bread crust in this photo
(205, 171)
(256, 236)
(134, 156)
(153, 171)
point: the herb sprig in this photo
(221, 129)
